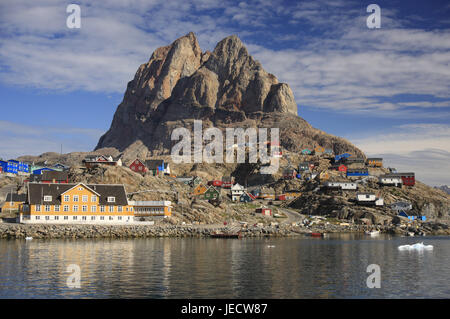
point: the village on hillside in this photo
(56, 193)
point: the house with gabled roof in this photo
(76, 204)
(236, 191)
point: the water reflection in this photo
(214, 268)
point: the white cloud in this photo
(20, 139)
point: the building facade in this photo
(76, 204)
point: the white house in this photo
(369, 198)
(341, 185)
(236, 192)
(390, 179)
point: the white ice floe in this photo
(28, 238)
(418, 246)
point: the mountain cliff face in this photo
(223, 88)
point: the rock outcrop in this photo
(224, 88)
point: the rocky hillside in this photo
(223, 88)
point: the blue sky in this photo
(386, 90)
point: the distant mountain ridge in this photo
(223, 88)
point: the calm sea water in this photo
(225, 268)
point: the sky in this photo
(386, 90)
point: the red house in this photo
(264, 211)
(408, 179)
(138, 167)
(342, 168)
(227, 181)
(216, 183)
(281, 197)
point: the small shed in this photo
(264, 211)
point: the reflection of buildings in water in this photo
(166, 267)
(101, 262)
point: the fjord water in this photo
(225, 268)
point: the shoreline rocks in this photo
(21, 231)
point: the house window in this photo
(102, 217)
(57, 208)
(47, 208)
(67, 198)
(66, 208)
(38, 208)
(102, 209)
(367, 196)
(119, 209)
(84, 217)
(85, 198)
(47, 217)
(94, 199)
(111, 209)
(47, 198)
(111, 199)
(92, 217)
(38, 217)
(66, 217)
(84, 208)
(56, 217)
(75, 198)
(110, 218)
(80, 188)
(74, 218)
(93, 209)
(75, 208)
(119, 218)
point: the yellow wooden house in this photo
(76, 203)
(13, 202)
(375, 161)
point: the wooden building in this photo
(13, 202)
(151, 208)
(76, 203)
(138, 167)
(375, 162)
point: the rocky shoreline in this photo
(21, 231)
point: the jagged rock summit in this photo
(224, 88)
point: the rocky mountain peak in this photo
(226, 87)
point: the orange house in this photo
(200, 189)
(318, 150)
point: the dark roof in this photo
(54, 175)
(36, 193)
(16, 197)
(374, 159)
(400, 174)
(227, 179)
(153, 164)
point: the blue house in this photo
(21, 166)
(358, 172)
(40, 170)
(339, 157)
(10, 167)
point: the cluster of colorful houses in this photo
(51, 198)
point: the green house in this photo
(211, 193)
(306, 151)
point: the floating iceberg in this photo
(418, 246)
